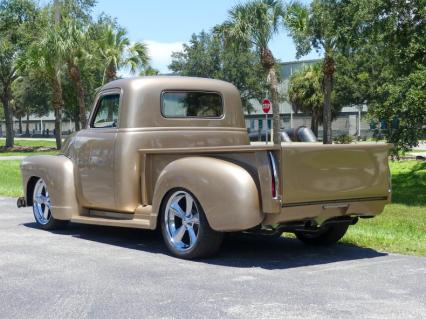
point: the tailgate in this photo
(313, 172)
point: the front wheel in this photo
(42, 208)
(184, 227)
(327, 236)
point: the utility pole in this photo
(359, 121)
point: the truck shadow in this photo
(242, 251)
(282, 253)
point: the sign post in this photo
(266, 106)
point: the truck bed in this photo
(309, 173)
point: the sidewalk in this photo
(12, 158)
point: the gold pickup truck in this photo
(174, 153)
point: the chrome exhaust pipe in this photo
(301, 134)
(21, 202)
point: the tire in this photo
(184, 227)
(328, 236)
(42, 208)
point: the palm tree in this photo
(321, 26)
(75, 39)
(255, 23)
(46, 55)
(17, 27)
(305, 93)
(149, 70)
(117, 52)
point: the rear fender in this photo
(58, 174)
(226, 191)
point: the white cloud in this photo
(160, 53)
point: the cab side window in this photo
(107, 111)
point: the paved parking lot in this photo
(101, 272)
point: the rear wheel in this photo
(327, 236)
(184, 227)
(42, 208)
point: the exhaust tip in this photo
(21, 202)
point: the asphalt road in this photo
(101, 272)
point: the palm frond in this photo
(254, 22)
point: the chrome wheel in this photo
(182, 220)
(41, 203)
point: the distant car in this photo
(173, 153)
(298, 134)
(259, 136)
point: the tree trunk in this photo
(76, 117)
(8, 114)
(58, 133)
(328, 70)
(75, 76)
(20, 124)
(268, 63)
(110, 74)
(57, 103)
(27, 125)
(276, 122)
(314, 122)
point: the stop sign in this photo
(266, 105)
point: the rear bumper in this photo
(325, 210)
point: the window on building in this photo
(191, 104)
(286, 71)
(107, 111)
(260, 121)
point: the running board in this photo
(131, 223)
(142, 218)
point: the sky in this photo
(164, 25)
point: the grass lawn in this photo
(35, 144)
(10, 179)
(401, 228)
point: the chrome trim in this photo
(275, 175)
(337, 205)
(347, 200)
(112, 215)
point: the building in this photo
(347, 122)
(38, 126)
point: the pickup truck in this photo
(173, 153)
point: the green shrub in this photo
(343, 139)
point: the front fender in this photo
(58, 174)
(226, 191)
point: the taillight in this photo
(274, 174)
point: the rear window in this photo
(191, 104)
